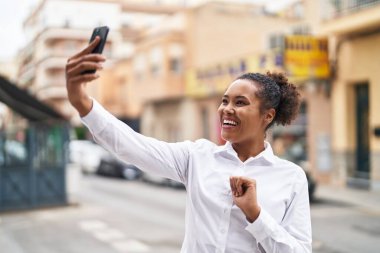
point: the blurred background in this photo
(168, 63)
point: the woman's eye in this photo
(240, 103)
(224, 101)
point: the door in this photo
(362, 132)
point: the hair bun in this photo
(288, 106)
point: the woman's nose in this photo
(229, 109)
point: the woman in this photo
(240, 196)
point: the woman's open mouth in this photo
(227, 123)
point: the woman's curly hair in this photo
(274, 91)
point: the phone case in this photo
(102, 32)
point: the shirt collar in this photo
(267, 153)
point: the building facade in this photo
(56, 30)
(354, 31)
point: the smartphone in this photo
(102, 32)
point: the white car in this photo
(87, 154)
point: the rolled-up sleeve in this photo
(168, 160)
(293, 234)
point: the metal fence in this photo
(32, 166)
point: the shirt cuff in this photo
(96, 119)
(263, 227)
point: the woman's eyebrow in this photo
(243, 97)
(237, 97)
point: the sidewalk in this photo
(368, 200)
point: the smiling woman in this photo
(252, 104)
(241, 197)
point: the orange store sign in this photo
(306, 57)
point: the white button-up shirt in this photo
(213, 223)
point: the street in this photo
(115, 216)
(343, 228)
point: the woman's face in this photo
(239, 113)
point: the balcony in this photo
(136, 6)
(346, 17)
(51, 92)
(54, 63)
(51, 34)
(340, 8)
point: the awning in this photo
(25, 104)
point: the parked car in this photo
(87, 154)
(312, 185)
(113, 167)
(157, 180)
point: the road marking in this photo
(130, 245)
(114, 237)
(91, 225)
(108, 234)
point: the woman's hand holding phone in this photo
(77, 77)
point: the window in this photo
(276, 41)
(139, 66)
(302, 30)
(155, 59)
(299, 11)
(176, 53)
(175, 65)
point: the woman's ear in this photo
(269, 116)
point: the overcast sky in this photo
(13, 12)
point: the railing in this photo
(339, 8)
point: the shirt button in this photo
(225, 210)
(223, 231)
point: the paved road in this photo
(342, 228)
(116, 216)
